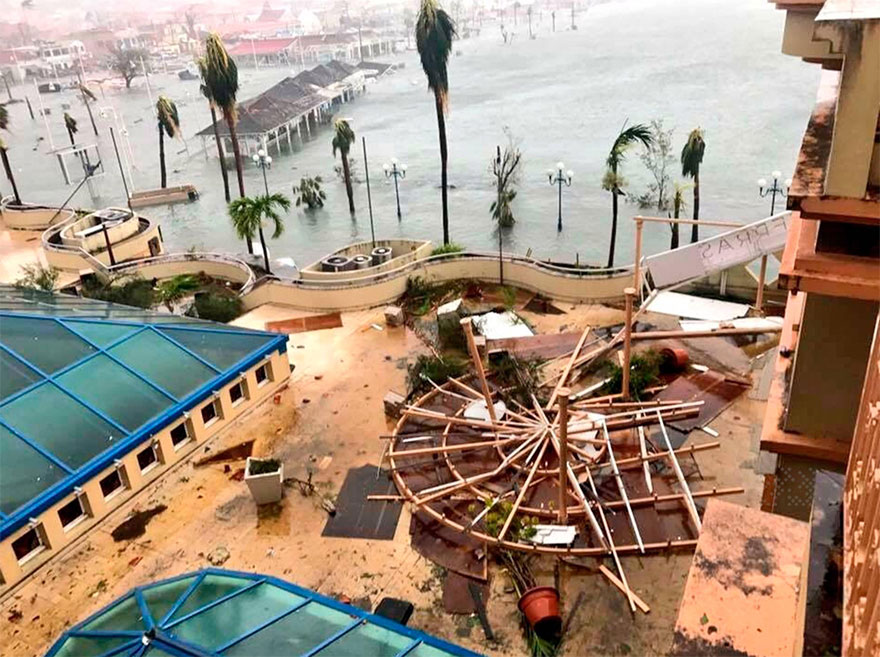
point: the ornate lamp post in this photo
(264, 161)
(773, 190)
(560, 178)
(396, 171)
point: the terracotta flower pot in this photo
(674, 358)
(541, 608)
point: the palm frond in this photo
(70, 123)
(220, 75)
(87, 92)
(692, 154)
(625, 140)
(166, 113)
(4, 118)
(435, 31)
(343, 137)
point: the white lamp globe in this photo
(788, 183)
(394, 160)
(261, 153)
(255, 158)
(570, 174)
(762, 182)
(560, 166)
(776, 175)
(269, 159)
(385, 167)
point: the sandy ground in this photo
(19, 248)
(328, 421)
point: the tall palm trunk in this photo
(346, 172)
(163, 176)
(8, 169)
(441, 129)
(613, 243)
(72, 138)
(220, 153)
(695, 231)
(236, 151)
(673, 242)
(265, 251)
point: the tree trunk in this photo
(673, 243)
(695, 231)
(163, 176)
(346, 171)
(220, 153)
(265, 251)
(72, 138)
(8, 169)
(613, 227)
(236, 151)
(128, 82)
(441, 129)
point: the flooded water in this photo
(564, 96)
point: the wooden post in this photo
(637, 268)
(759, 296)
(627, 341)
(478, 365)
(563, 396)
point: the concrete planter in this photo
(265, 488)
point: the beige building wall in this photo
(55, 537)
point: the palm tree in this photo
(678, 204)
(206, 92)
(691, 159)
(434, 33)
(613, 181)
(247, 216)
(173, 290)
(168, 123)
(70, 124)
(221, 78)
(4, 125)
(343, 138)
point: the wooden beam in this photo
(627, 342)
(563, 453)
(565, 372)
(700, 222)
(478, 365)
(623, 589)
(622, 490)
(663, 335)
(681, 451)
(689, 500)
(523, 491)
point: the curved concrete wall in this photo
(383, 289)
(406, 251)
(33, 218)
(96, 241)
(73, 259)
(176, 264)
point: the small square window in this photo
(209, 413)
(262, 374)
(237, 393)
(180, 434)
(71, 513)
(112, 484)
(28, 544)
(147, 458)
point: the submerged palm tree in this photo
(70, 125)
(247, 216)
(206, 92)
(4, 125)
(221, 78)
(613, 181)
(343, 138)
(691, 159)
(169, 123)
(678, 204)
(434, 33)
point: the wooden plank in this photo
(682, 481)
(613, 579)
(563, 379)
(478, 365)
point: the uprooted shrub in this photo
(518, 378)
(425, 369)
(421, 295)
(644, 372)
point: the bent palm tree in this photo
(613, 181)
(678, 204)
(175, 289)
(691, 159)
(343, 138)
(221, 78)
(247, 216)
(434, 33)
(4, 125)
(206, 92)
(169, 123)
(70, 125)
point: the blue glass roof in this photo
(224, 613)
(80, 387)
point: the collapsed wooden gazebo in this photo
(587, 474)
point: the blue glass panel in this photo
(223, 350)
(102, 333)
(124, 616)
(163, 363)
(367, 641)
(424, 650)
(210, 589)
(43, 342)
(24, 472)
(160, 599)
(60, 425)
(84, 646)
(295, 634)
(115, 391)
(232, 618)
(14, 375)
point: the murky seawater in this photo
(564, 96)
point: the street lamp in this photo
(264, 161)
(773, 190)
(560, 177)
(395, 170)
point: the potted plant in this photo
(265, 479)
